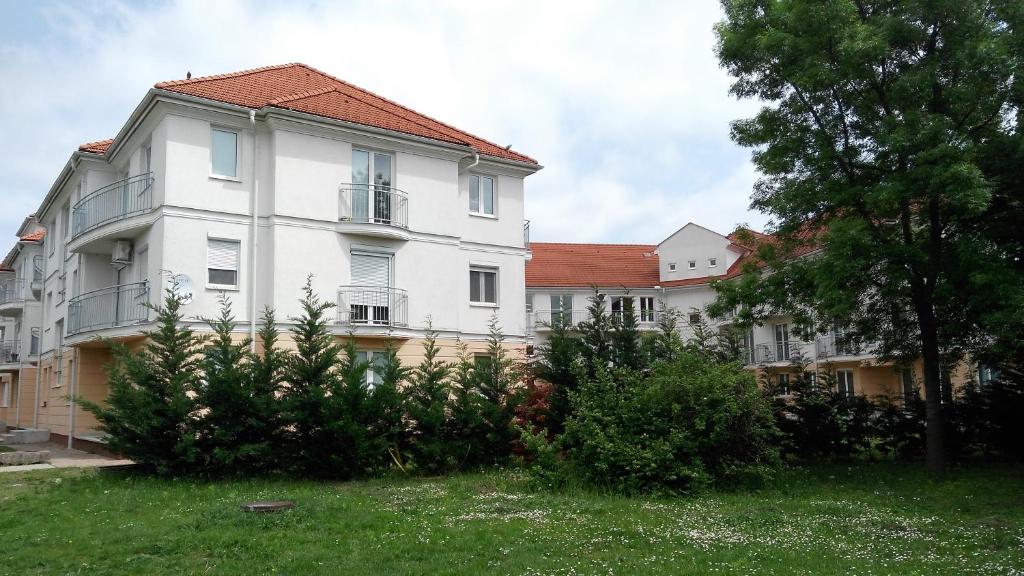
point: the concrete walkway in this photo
(61, 457)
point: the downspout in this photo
(255, 242)
(476, 159)
(71, 399)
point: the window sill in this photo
(225, 178)
(484, 304)
(222, 288)
(482, 215)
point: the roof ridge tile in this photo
(198, 79)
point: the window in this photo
(561, 309)
(372, 175)
(50, 239)
(986, 374)
(692, 264)
(647, 309)
(67, 220)
(222, 263)
(782, 341)
(371, 301)
(671, 266)
(620, 304)
(58, 353)
(783, 387)
(529, 303)
(224, 153)
(908, 385)
(483, 363)
(146, 160)
(33, 343)
(5, 394)
(844, 383)
(694, 318)
(374, 366)
(483, 285)
(481, 195)
(748, 346)
(712, 262)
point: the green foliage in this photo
(890, 142)
(692, 423)
(426, 400)
(499, 382)
(149, 413)
(560, 364)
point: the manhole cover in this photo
(268, 506)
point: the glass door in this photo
(371, 201)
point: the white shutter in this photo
(370, 270)
(222, 255)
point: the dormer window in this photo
(712, 262)
(693, 264)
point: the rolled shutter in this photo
(370, 270)
(222, 255)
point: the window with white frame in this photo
(146, 160)
(646, 308)
(783, 385)
(222, 263)
(481, 195)
(561, 309)
(782, 341)
(620, 304)
(671, 266)
(692, 264)
(712, 262)
(694, 318)
(374, 360)
(223, 153)
(5, 394)
(483, 285)
(844, 382)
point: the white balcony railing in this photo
(122, 305)
(832, 345)
(373, 306)
(12, 291)
(10, 351)
(373, 204)
(111, 203)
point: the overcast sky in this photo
(622, 102)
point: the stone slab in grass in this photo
(24, 458)
(268, 506)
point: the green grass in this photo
(870, 519)
(6, 449)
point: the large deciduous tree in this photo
(886, 148)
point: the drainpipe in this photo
(476, 159)
(71, 402)
(255, 242)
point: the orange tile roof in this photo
(582, 265)
(34, 236)
(98, 147)
(303, 88)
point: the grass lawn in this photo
(869, 519)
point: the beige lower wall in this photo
(90, 376)
(22, 401)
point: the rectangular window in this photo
(224, 153)
(222, 262)
(844, 383)
(371, 301)
(5, 394)
(782, 341)
(748, 346)
(481, 195)
(483, 363)
(671, 266)
(783, 387)
(712, 262)
(647, 309)
(372, 175)
(561, 309)
(483, 285)
(692, 264)
(146, 161)
(620, 304)
(374, 366)
(908, 385)
(529, 303)
(694, 318)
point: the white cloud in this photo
(624, 103)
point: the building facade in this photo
(677, 274)
(247, 184)
(21, 283)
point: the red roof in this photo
(582, 265)
(34, 236)
(302, 88)
(98, 147)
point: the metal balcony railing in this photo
(373, 204)
(526, 233)
(113, 202)
(832, 345)
(111, 307)
(12, 290)
(568, 318)
(373, 306)
(10, 351)
(783, 351)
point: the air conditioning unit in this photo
(122, 253)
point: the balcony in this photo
(10, 353)
(373, 210)
(12, 296)
(113, 203)
(113, 307)
(373, 306)
(544, 319)
(783, 351)
(833, 346)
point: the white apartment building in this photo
(676, 273)
(21, 284)
(247, 183)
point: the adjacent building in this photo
(677, 273)
(247, 184)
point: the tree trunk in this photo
(936, 450)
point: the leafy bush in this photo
(690, 424)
